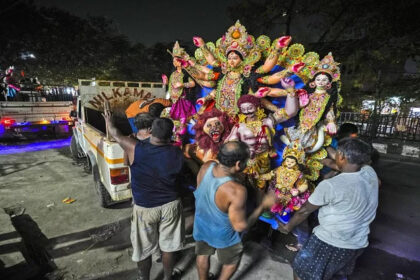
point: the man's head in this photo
(347, 130)
(143, 121)
(234, 155)
(156, 109)
(162, 129)
(352, 151)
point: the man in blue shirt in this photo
(157, 221)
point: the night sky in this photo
(154, 21)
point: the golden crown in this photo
(178, 51)
(328, 65)
(294, 151)
(237, 39)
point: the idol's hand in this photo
(283, 42)
(303, 97)
(191, 62)
(294, 192)
(331, 128)
(297, 67)
(287, 83)
(164, 79)
(262, 92)
(178, 85)
(200, 101)
(198, 41)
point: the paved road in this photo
(85, 241)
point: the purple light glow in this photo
(34, 147)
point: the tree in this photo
(67, 47)
(367, 37)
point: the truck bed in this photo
(22, 111)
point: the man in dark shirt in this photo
(157, 220)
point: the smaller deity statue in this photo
(182, 109)
(288, 181)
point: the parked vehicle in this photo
(90, 141)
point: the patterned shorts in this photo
(318, 260)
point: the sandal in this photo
(293, 247)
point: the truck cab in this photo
(90, 141)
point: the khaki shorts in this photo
(228, 255)
(158, 227)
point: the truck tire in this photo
(105, 199)
(87, 166)
(74, 150)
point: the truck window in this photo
(95, 119)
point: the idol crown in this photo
(294, 151)
(328, 65)
(237, 39)
(178, 51)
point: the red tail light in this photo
(7, 121)
(119, 175)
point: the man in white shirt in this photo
(347, 205)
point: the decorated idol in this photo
(182, 109)
(288, 181)
(233, 58)
(317, 119)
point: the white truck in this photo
(34, 116)
(104, 156)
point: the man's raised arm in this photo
(127, 143)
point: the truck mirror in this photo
(73, 114)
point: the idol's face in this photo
(176, 62)
(248, 109)
(290, 162)
(234, 59)
(214, 128)
(322, 80)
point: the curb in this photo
(398, 151)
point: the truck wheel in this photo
(74, 149)
(87, 167)
(105, 199)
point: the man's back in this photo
(211, 224)
(154, 173)
(349, 203)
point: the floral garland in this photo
(219, 94)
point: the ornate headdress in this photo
(328, 65)
(178, 51)
(294, 151)
(237, 39)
